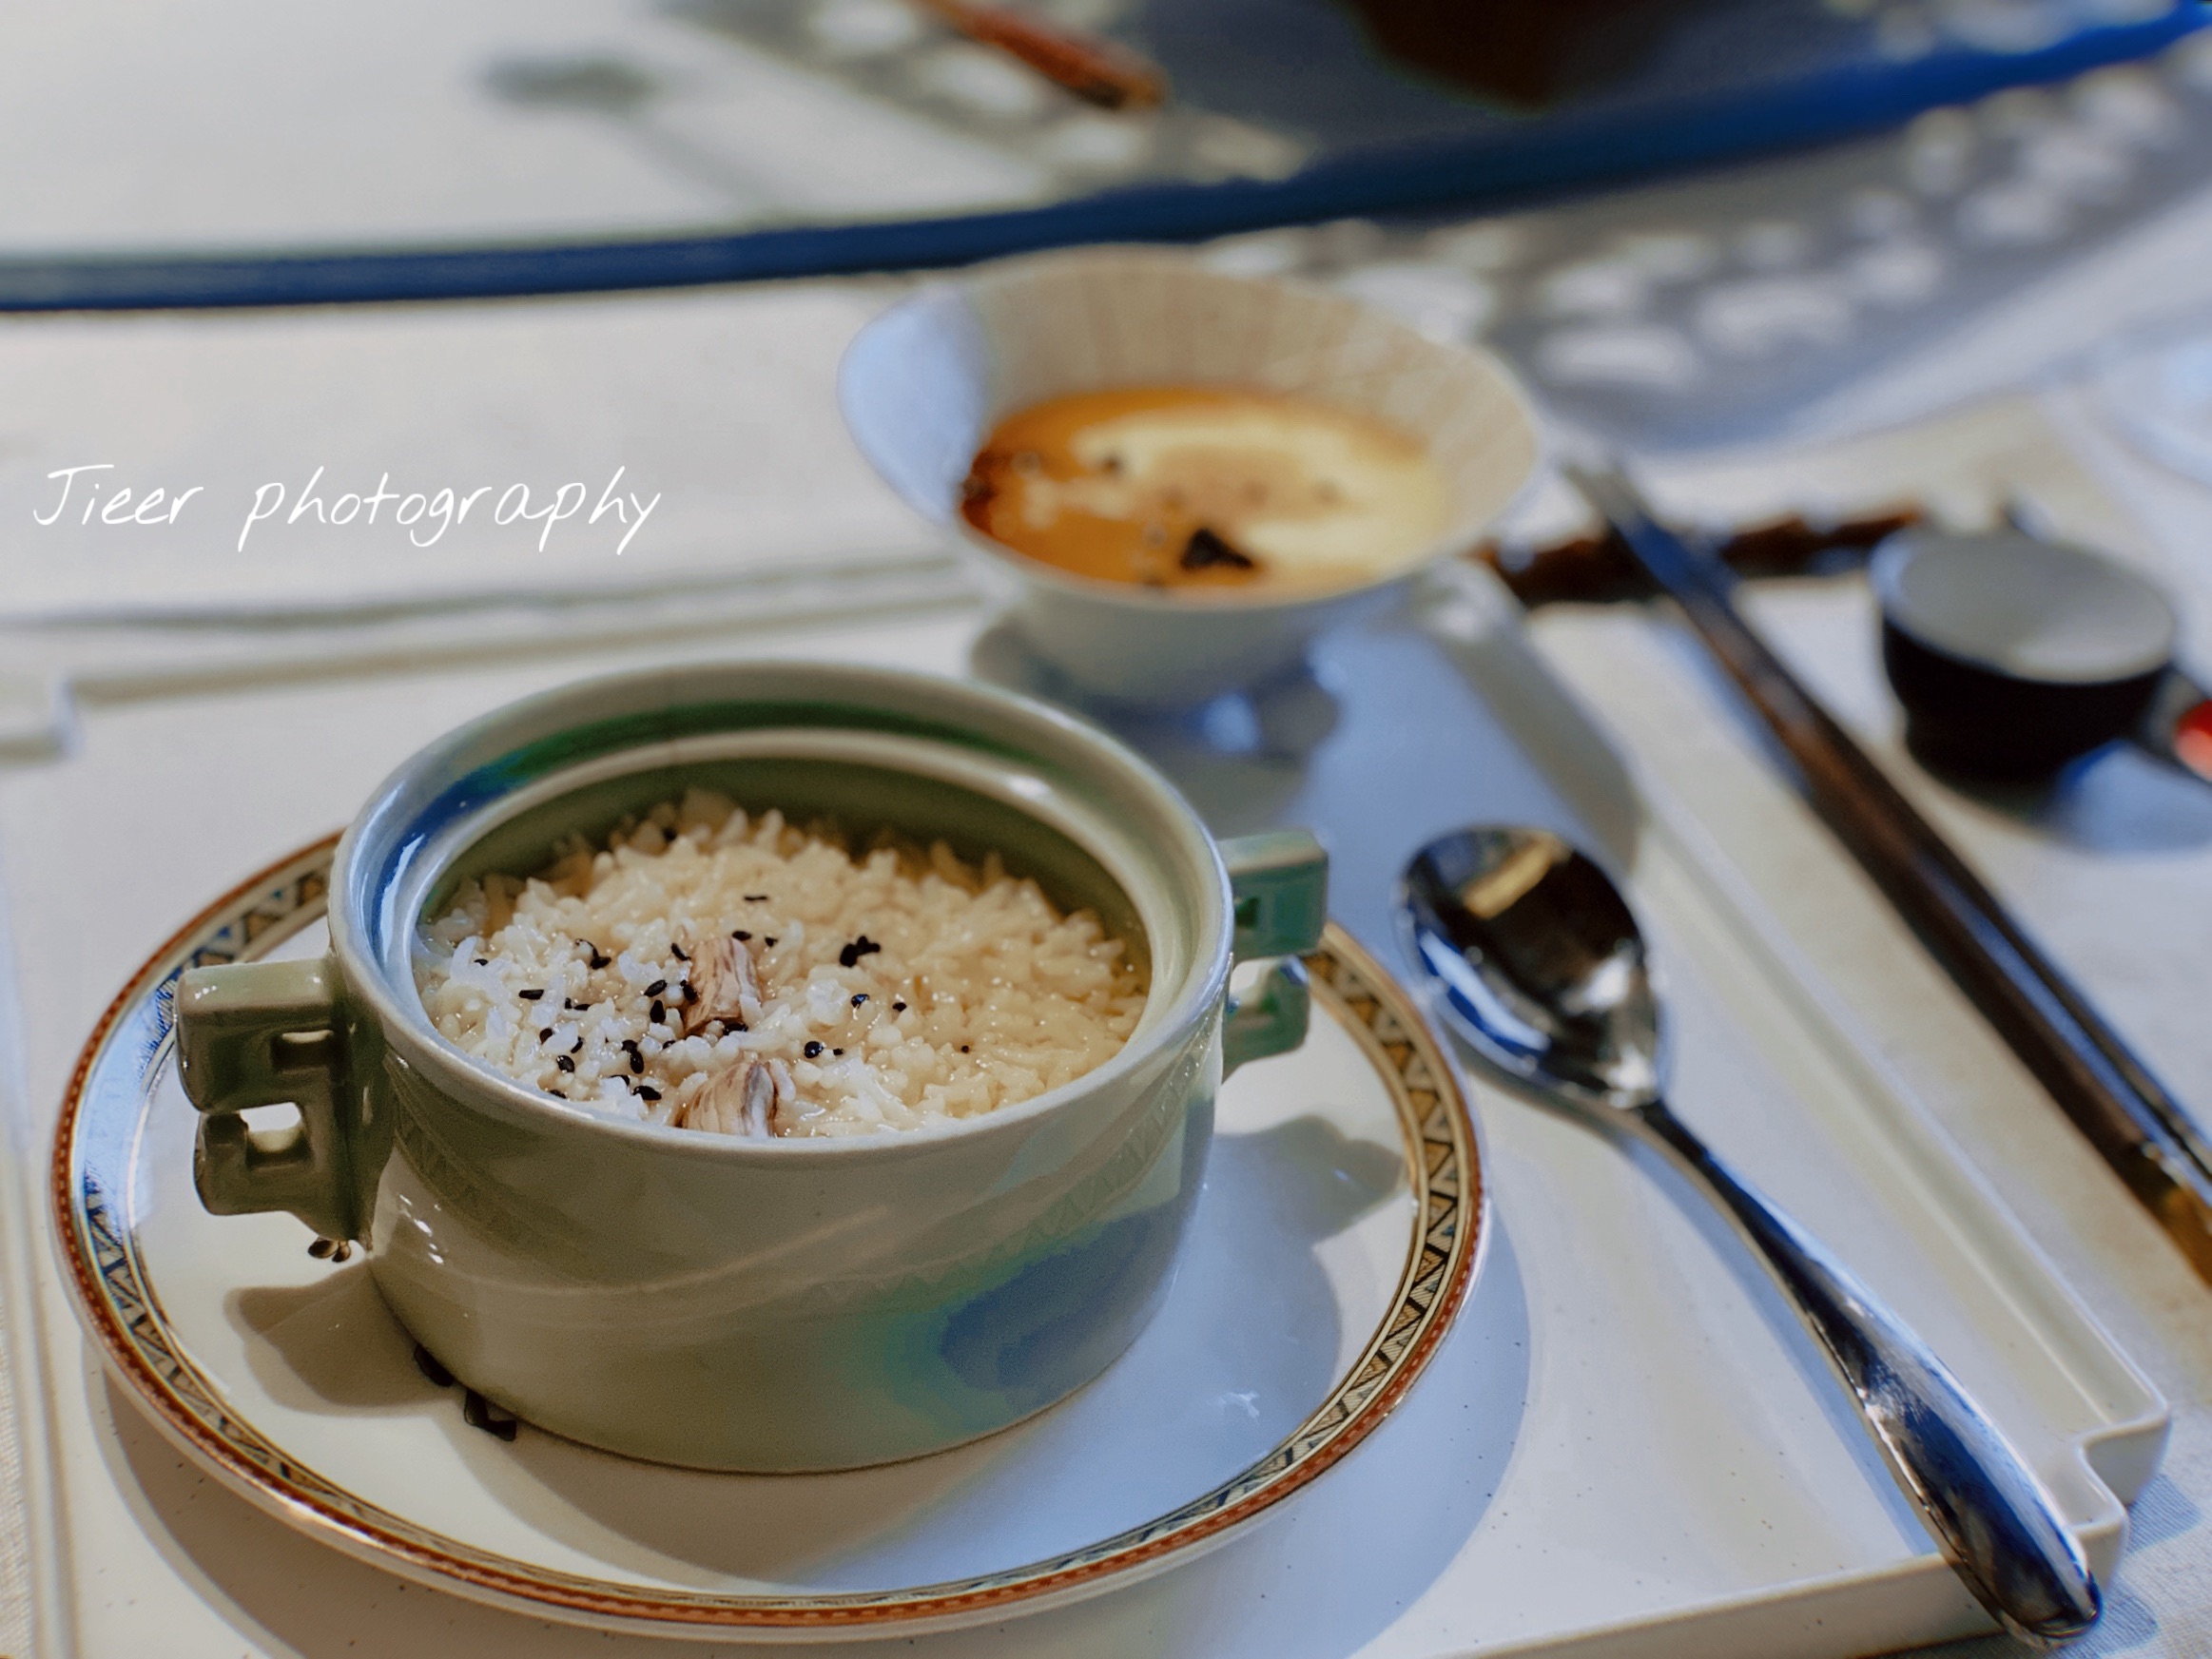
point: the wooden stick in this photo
(2110, 1095)
(1099, 71)
(1594, 570)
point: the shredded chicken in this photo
(752, 1097)
(726, 983)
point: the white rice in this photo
(849, 993)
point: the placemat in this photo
(604, 143)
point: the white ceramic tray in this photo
(1681, 1480)
(1627, 1447)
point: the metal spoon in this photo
(1541, 966)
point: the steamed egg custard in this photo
(1183, 486)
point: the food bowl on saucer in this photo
(744, 1299)
(923, 386)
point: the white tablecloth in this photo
(722, 401)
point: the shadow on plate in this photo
(1245, 1346)
(327, 1344)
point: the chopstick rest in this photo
(2014, 654)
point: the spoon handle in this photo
(1986, 1507)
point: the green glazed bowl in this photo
(721, 1301)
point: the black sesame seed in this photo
(657, 988)
(769, 941)
(964, 1047)
(600, 959)
(645, 1093)
(322, 1247)
(572, 1002)
(483, 961)
(426, 1362)
(530, 995)
(564, 1062)
(756, 898)
(738, 1025)
(811, 1050)
(850, 956)
(679, 953)
(343, 1251)
(837, 1051)
(858, 999)
(741, 936)
(636, 1061)
(1205, 550)
(658, 1012)
(546, 1033)
(897, 1007)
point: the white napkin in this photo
(698, 429)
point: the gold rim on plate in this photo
(117, 1300)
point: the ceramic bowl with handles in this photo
(735, 1302)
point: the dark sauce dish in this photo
(2014, 655)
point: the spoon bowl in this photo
(1537, 962)
(1540, 961)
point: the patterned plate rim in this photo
(116, 1300)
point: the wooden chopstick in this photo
(2110, 1095)
(1098, 71)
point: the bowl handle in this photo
(1279, 885)
(270, 1033)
